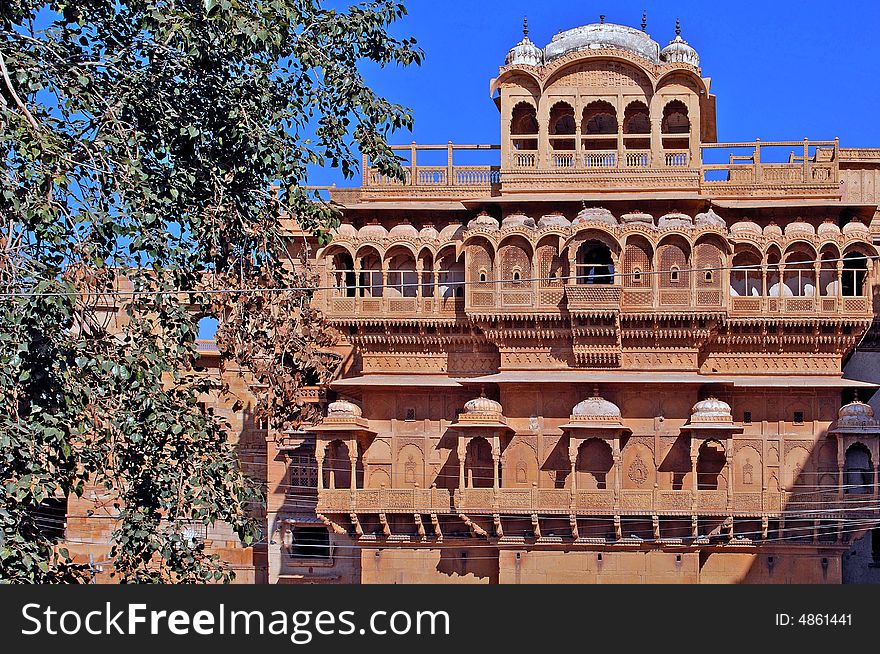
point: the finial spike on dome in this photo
(601, 19)
(526, 26)
(482, 391)
(595, 390)
(677, 27)
(644, 20)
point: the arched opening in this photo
(207, 328)
(710, 463)
(829, 285)
(450, 275)
(637, 263)
(709, 260)
(343, 282)
(595, 265)
(516, 264)
(402, 278)
(745, 278)
(599, 130)
(774, 287)
(478, 464)
(673, 256)
(855, 271)
(675, 126)
(370, 282)
(637, 131)
(800, 273)
(562, 131)
(858, 473)
(594, 463)
(524, 127)
(337, 465)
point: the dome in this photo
(484, 221)
(855, 227)
(828, 229)
(675, 219)
(603, 35)
(482, 404)
(745, 227)
(637, 217)
(525, 53)
(343, 409)
(799, 227)
(373, 230)
(405, 230)
(772, 230)
(518, 219)
(553, 220)
(856, 414)
(452, 232)
(428, 233)
(346, 230)
(711, 410)
(596, 409)
(710, 219)
(595, 214)
(679, 51)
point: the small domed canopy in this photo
(637, 217)
(346, 230)
(452, 232)
(428, 233)
(772, 230)
(405, 229)
(679, 51)
(828, 229)
(710, 219)
(799, 227)
(856, 417)
(481, 412)
(746, 227)
(553, 220)
(483, 405)
(675, 219)
(855, 227)
(595, 412)
(711, 410)
(525, 53)
(484, 221)
(518, 219)
(373, 230)
(343, 409)
(603, 35)
(595, 214)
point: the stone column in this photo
(839, 281)
(319, 457)
(352, 456)
(419, 271)
(496, 463)
(657, 160)
(874, 484)
(618, 470)
(728, 455)
(840, 461)
(462, 452)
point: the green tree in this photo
(141, 140)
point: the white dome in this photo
(680, 51)
(484, 221)
(637, 217)
(710, 219)
(711, 410)
(856, 414)
(343, 409)
(595, 214)
(482, 404)
(518, 219)
(346, 230)
(597, 36)
(373, 230)
(746, 227)
(452, 232)
(406, 230)
(553, 220)
(596, 409)
(675, 219)
(799, 227)
(828, 229)
(856, 227)
(525, 52)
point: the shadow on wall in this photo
(478, 562)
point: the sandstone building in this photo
(613, 354)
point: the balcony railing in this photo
(384, 500)
(759, 168)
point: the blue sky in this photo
(780, 70)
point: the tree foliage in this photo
(141, 140)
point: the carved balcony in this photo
(384, 500)
(590, 298)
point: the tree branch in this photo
(21, 105)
